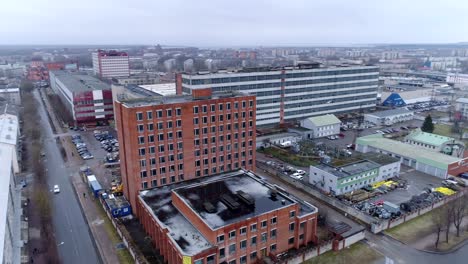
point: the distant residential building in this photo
(321, 126)
(461, 108)
(138, 79)
(355, 53)
(188, 65)
(391, 55)
(353, 176)
(169, 64)
(233, 217)
(389, 117)
(169, 139)
(417, 157)
(109, 64)
(88, 99)
(293, 93)
(434, 142)
(39, 71)
(11, 95)
(326, 52)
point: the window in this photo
(154, 183)
(253, 227)
(222, 253)
(291, 240)
(150, 127)
(153, 173)
(253, 241)
(169, 124)
(204, 108)
(243, 231)
(140, 128)
(220, 107)
(163, 181)
(243, 259)
(195, 121)
(149, 115)
(264, 237)
(161, 148)
(253, 255)
(142, 151)
(292, 214)
(178, 112)
(179, 134)
(198, 261)
(169, 112)
(213, 108)
(302, 225)
(273, 220)
(179, 123)
(243, 104)
(160, 137)
(142, 163)
(232, 261)
(301, 236)
(143, 174)
(243, 244)
(273, 247)
(264, 224)
(228, 106)
(195, 109)
(145, 185)
(291, 227)
(232, 234)
(153, 160)
(139, 116)
(141, 140)
(273, 233)
(160, 113)
(160, 125)
(232, 248)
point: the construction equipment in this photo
(117, 190)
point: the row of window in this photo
(330, 93)
(221, 118)
(163, 181)
(220, 169)
(205, 131)
(159, 114)
(160, 137)
(214, 150)
(333, 108)
(213, 140)
(331, 80)
(329, 101)
(221, 107)
(221, 158)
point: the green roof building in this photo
(418, 157)
(435, 142)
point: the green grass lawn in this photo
(410, 231)
(358, 253)
(287, 157)
(446, 130)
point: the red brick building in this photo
(165, 140)
(230, 218)
(39, 71)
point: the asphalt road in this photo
(75, 245)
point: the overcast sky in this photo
(232, 22)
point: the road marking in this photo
(388, 260)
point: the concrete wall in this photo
(322, 180)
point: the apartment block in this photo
(169, 139)
(88, 99)
(233, 217)
(109, 64)
(293, 93)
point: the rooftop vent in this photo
(229, 202)
(246, 198)
(209, 207)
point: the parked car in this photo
(56, 189)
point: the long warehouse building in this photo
(293, 93)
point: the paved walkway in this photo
(95, 221)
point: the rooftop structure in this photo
(389, 117)
(199, 214)
(349, 169)
(324, 120)
(162, 89)
(428, 138)
(79, 82)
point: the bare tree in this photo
(439, 221)
(448, 219)
(458, 213)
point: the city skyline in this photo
(295, 23)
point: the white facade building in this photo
(12, 95)
(461, 106)
(389, 117)
(108, 64)
(295, 93)
(322, 126)
(9, 131)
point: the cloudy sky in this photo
(232, 22)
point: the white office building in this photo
(321, 126)
(294, 93)
(108, 64)
(389, 117)
(9, 131)
(461, 107)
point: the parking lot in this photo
(97, 164)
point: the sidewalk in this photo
(103, 242)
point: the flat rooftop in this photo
(391, 112)
(380, 159)
(420, 154)
(80, 82)
(197, 192)
(8, 129)
(428, 138)
(5, 170)
(349, 169)
(174, 99)
(163, 89)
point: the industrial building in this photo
(433, 163)
(168, 139)
(293, 93)
(233, 217)
(109, 64)
(138, 79)
(88, 99)
(352, 176)
(434, 142)
(389, 117)
(321, 126)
